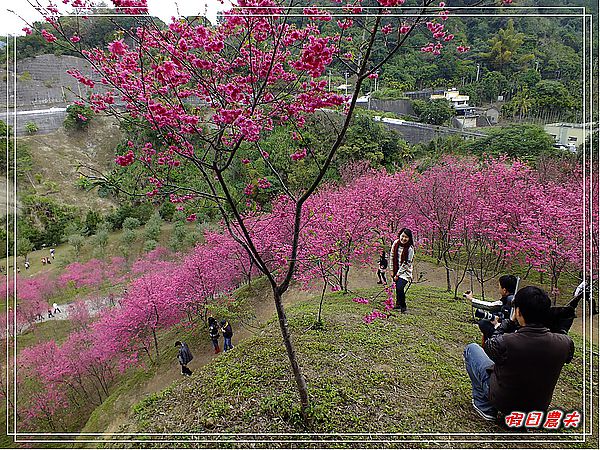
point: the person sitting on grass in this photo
(518, 371)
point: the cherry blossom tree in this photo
(208, 92)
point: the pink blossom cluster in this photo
(373, 316)
(125, 160)
(49, 37)
(390, 3)
(360, 300)
(299, 154)
(317, 53)
(317, 14)
(345, 24)
(263, 183)
(81, 78)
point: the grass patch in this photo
(57, 330)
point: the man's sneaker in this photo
(485, 416)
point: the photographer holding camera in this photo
(518, 371)
(492, 313)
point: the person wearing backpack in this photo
(184, 357)
(213, 331)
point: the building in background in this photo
(569, 135)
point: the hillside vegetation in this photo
(57, 157)
(402, 375)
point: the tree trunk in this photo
(321, 302)
(448, 282)
(346, 271)
(155, 342)
(289, 347)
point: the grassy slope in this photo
(405, 374)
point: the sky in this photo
(164, 9)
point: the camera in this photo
(487, 310)
(483, 314)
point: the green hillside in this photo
(402, 375)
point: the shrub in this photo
(83, 183)
(31, 127)
(150, 245)
(78, 117)
(131, 223)
(166, 211)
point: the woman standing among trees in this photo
(403, 253)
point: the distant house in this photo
(492, 114)
(459, 102)
(570, 135)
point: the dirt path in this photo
(263, 309)
(95, 305)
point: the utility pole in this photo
(346, 83)
(477, 76)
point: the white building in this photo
(571, 135)
(459, 102)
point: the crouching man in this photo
(518, 371)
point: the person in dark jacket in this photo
(227, 335)
(506, 286)
(213, 331)
(383, 265)
(518, 371)
(184, 357)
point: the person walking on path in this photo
(184, 357)
(213, 331)
(403, 253)
(227, 335)
(52, 253)
(383, 265)
(55, 308)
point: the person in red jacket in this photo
(518, 371)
